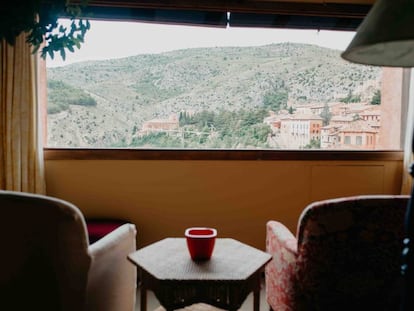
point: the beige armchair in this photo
(47, 263)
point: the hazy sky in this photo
(107, 40)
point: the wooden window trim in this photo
(341, 15)
(234, 155)
(351, 9)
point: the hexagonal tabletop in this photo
(169, 259)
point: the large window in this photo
(137, 85)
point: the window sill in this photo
(234, 155)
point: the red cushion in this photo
(98, 228)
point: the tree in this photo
(276, 99)
(45, 32)
(376, 98)
(351, 98)
(326, 114)
(313, 144)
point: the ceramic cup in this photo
(200, 242)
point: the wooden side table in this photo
(224, 281)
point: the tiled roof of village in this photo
(358, 126)
(301, 117)
(368, 112)
(340, 118)
(356, 107)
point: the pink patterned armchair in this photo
(346, 256)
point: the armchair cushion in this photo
(280, 272)
(111, 281)
(99, 227)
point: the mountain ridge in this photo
(131, 90)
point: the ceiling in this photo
(345, 8)
(314, 14)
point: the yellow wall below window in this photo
(237, 197)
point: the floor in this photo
(153, 304)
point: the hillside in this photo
(132, 90)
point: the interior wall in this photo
(237, 197)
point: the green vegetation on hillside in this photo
(376, 98)
(351, 98)
(275, 101)
(61, 95)
(207, 129)
(276, 98)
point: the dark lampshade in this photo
(386, 36)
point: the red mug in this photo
(200, 242)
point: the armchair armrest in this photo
(280, 271)
(112, 278)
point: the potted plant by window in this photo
(40, 20)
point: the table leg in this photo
(256, 294)
(256, 300)
(143, 298)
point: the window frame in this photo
(109, 10)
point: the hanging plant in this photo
(40, 20)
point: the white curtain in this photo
(21, 151)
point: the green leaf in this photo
(43, 53)
(35, 49)
(51, 54)
(63, 53)
(57, 37)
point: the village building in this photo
(273, 120)
(307, 109)
(160, 125)
(357, 135)
(371, 115)
(297, 131)
(318, 108)
(329, 137)
(353, 108)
